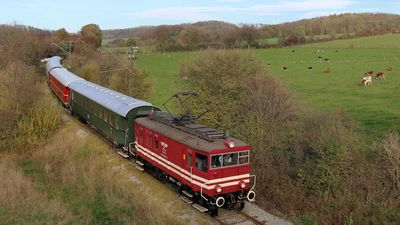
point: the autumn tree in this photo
(62, 35)
(18, 61)
(249, 34)
(163, 39)
(191, 37)
(88, 40)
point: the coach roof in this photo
(64, 76)
(52, 63)
(112, 100)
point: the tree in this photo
(250, 34)
(190, 36)
(89, 39)
(62, 35)
(131, 42)
(163, 38)
(18, 59)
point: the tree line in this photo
(217, 34)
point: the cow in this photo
(366, 81)
(369, 72)
(284, 68)
(327, 70)
(389, 68)
(380, 76)
(309, 68)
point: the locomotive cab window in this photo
(201, 162)
(229, 159)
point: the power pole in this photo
(130, 80)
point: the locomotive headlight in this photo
(229, 143)
(242, 184)
(218, 188)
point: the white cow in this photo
(366, 81)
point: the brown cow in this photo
(327, 70)
(369, 72)
(389, 68)
(380, 76)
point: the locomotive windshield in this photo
(229, 159)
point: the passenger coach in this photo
(111, 113)
(59, 79)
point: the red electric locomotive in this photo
(208, 166)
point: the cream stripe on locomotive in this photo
(190, 177)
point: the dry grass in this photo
(75, 178)
(22, 203)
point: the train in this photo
(208, 167)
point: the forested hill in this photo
(356, 24)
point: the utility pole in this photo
(130, 80)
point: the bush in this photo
(38, 124)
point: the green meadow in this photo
(376, 107)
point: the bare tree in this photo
(18, 55)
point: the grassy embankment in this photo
(76, 178)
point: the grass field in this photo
(377, 107)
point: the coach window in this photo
(111, 119)
(141, 134)
(116, 122)
(105, 116)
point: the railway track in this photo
(238, 217)
(250, 215)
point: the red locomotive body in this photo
(210, 168)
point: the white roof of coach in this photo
(115, 101)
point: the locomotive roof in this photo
(115, 101)
(186, 137)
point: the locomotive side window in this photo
(156, 141)
(151, 139)
(147, 137)
(201, 162)
(189, 159)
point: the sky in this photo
(72, 15)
